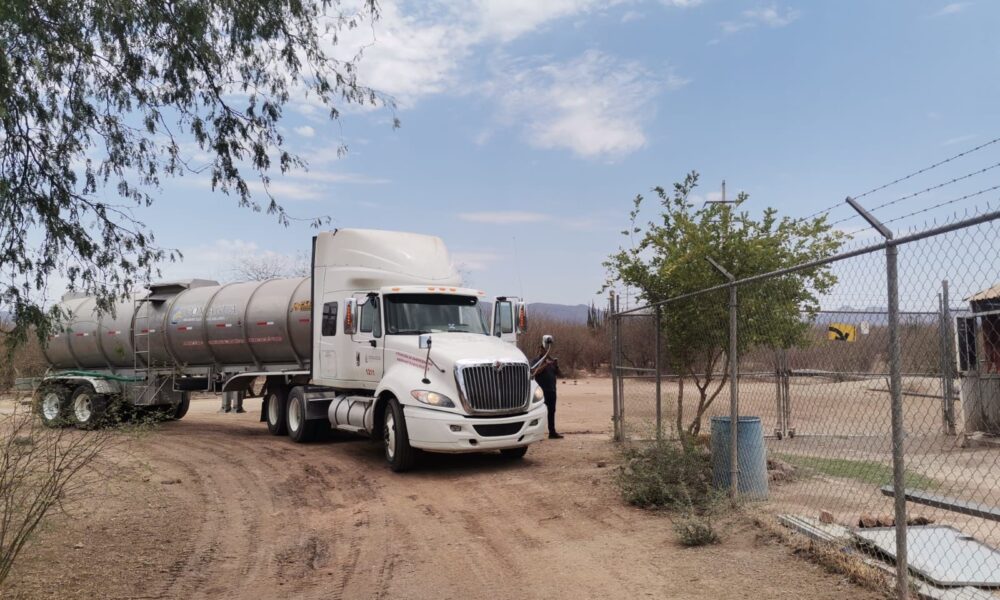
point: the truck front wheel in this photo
(515, 453)
(398, 452)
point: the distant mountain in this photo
(559, 312)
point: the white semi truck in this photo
(381, 340)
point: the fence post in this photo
(947, 379)
(734, 391)
(895, 391)
(616, 416)
(659, 397)
(734, 373)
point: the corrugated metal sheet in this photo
(987, 294)
(941, 554)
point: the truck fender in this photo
(100, 385)
(373, 420)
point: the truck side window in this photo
(504, 318)
(371, 320)
(329, 326)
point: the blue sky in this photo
(528, 127)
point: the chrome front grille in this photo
(494, 388)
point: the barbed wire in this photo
(906, 177)
(923, 191)
(922, 210)
(939, 205)
(925, 169)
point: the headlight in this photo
(432, 398)
(538, 396)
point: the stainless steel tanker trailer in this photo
(380, 340)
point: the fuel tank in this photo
(191, 323)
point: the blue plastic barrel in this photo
(752, 457)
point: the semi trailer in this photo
(381, 340)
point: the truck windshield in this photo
(412, 314)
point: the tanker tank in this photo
(191, 325)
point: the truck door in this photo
(327, 344)
(367, 350)
(510, 317)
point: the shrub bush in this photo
(695, 530)
(667, 475)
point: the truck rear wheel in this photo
(89, 409)
(182, 407)
(398, 452)
(277, 406)
(53, 406)
(300, 429)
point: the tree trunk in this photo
(680, 408)
(705, 401)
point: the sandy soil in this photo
(215, 507)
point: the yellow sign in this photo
(841, 332)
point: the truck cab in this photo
(404, 353)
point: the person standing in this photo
(546, 375)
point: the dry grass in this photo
(829, 556)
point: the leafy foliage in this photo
(667, 259)
(103, 98)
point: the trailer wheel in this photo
(300, 429)
(89, 408)
(182, 406)
(277, 406)
(514, 453)
(398, 452)
(53, 406)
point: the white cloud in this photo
(474, 261)
(631, 15)
(952, 9)
(503, 217)
(219, 258)
(960, 139)
(417, 49)
(768, 16)
(594, 105)
(305, 131)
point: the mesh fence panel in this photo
(818, 377)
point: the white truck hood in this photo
(448, 348)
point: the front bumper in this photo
(432, 430)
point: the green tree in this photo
(98, 100)
(666, 258)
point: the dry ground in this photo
(214, 507)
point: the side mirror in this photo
(350, 316)
(548, 341)
(521, 317)
(424, 341)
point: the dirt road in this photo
(215, 507)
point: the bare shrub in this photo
(695, 530)
(26, 360)
(41, 469)
(578, 347)
(668, 475)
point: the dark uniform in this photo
(546, 377)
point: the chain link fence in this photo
(860, 440)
